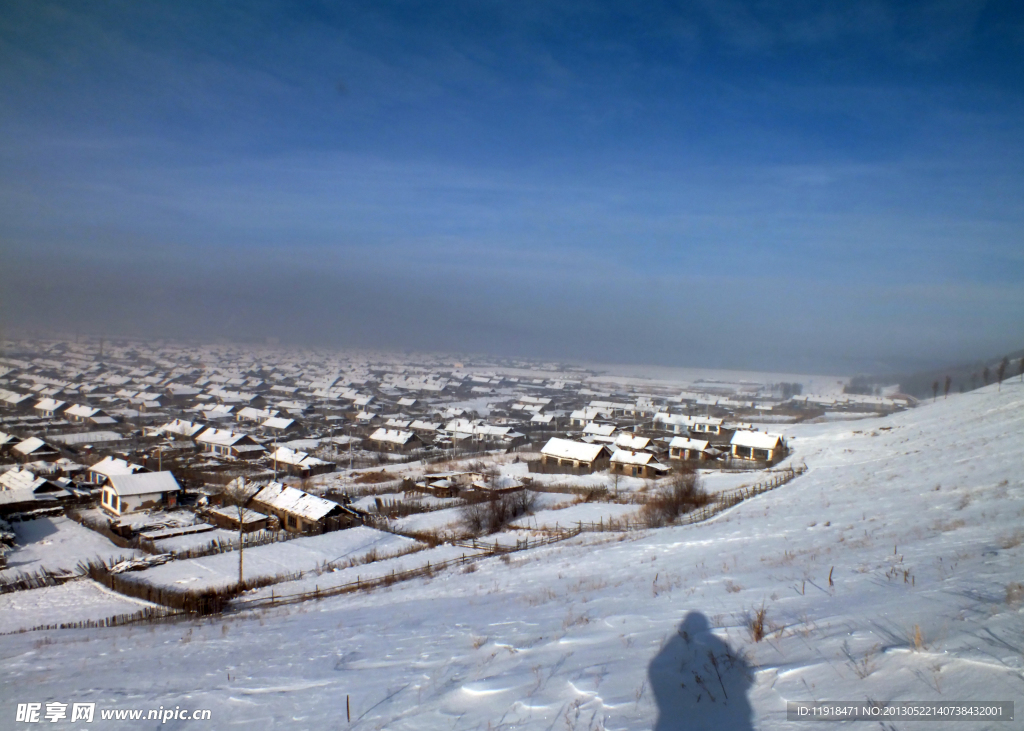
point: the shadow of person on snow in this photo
(699, 682)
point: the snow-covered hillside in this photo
(891, 570)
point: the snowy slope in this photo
(918, 517)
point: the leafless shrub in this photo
(865, 665)
(372, 478)
(469, 568)
(756, 623)
(495, 512)
(434, 536)
(918, 638)
(682, 494)
(1014, 593)
(593, 494)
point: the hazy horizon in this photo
(812, 189)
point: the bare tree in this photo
(985, 375)
(935, 390)
(1001, 371)
(949, 383)
(237, 495)
(1021, 370)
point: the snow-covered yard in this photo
(567, 518)
(196, 540)
(363, 572)
(57, 544)
(717, 481)
(71, 602)
(435, 520)
(300, 554)
(891, 570)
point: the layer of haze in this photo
(804, 186)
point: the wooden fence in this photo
(487, 551)
(104, 530)
(36, 580)
(209, 601)
(720, 503)
(218, 545)
(149, 614)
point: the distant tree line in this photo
(863, 386)
(962, 378)
(789, 390)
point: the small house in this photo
(48, 407)
(632, 442)
(142, 491)
(579, 456)
(227, 517)
(684, 448)
(181, 429)
(636, 464)
(757, 446)
(300, 512)
(34, 449)
(107, 467)
(705, 425)
(226, 443)
(45, 494)
(80, 413)
(396, 440)
(280, 425)
(298, 463)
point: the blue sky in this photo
(804, 185)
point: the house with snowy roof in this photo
(396, 440)
(181, 429)
(22, 479)
(632, 442)
(300, 512)
(757, 446)
(103, 470)
(80, 413)
(34, 449)
(279, 425)
(579, 456)
(48, 407)
(226, 443)
(684, 448)
(636, 464)
(131, 493)
(300, 464)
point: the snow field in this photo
(916, 519)
(299, 554)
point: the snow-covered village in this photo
(511, 366)
(375, 541)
